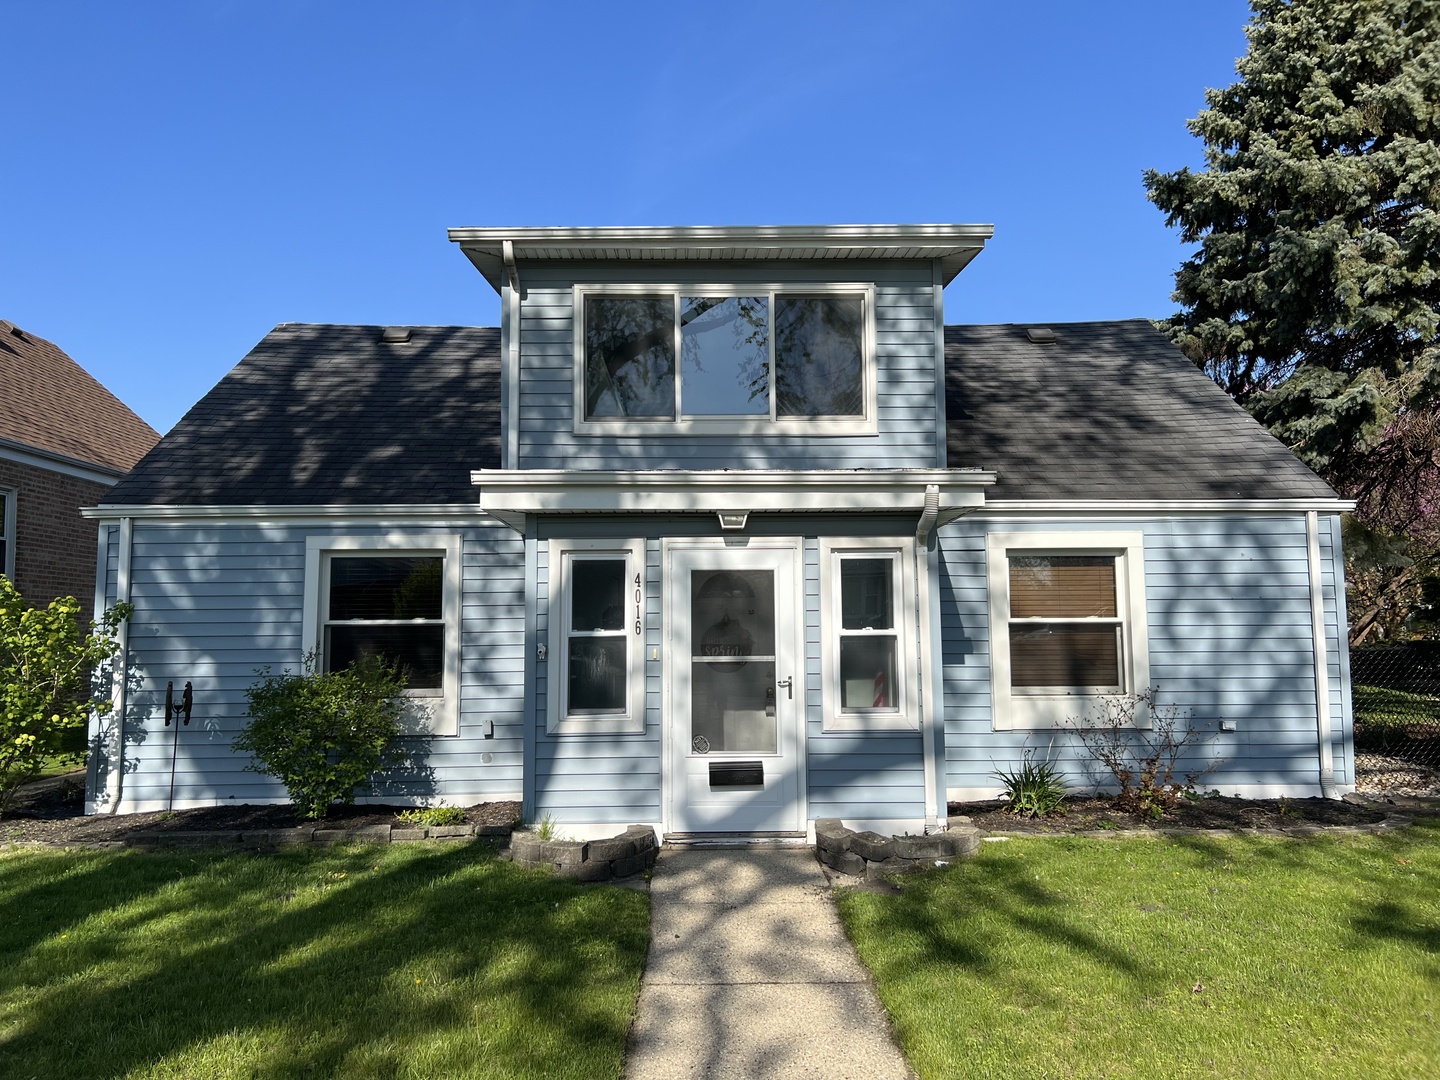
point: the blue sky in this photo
(180, 177)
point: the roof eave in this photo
(952, 245)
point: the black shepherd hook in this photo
(183, 707)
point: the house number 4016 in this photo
(637, 604)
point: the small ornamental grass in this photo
(1035, 789)
(323, 734)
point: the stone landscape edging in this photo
(618, 856)
(302, 834)
(875, 857)
(1294, 832)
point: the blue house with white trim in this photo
(725, 531)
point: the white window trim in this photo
(426, 713)
(7, 532)
(1048, 711)
(722, 425)
(906, 717)
(632, 720)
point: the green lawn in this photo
(1380, 706)
(1197, 957)
(399, 961)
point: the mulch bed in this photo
(1215, 812)
(54, 811)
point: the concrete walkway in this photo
(750, 975)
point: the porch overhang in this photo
(938, 495)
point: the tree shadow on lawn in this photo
(924, 914)
(441, 962)
(1384, 904)
(1392, 875)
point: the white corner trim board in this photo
(1323, 727)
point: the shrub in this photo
(324, 734)
(1143, 761)
(45, 658)
(433, 815)
(1035, 789)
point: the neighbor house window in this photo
(7, 533)
(396, 598)
(869, 624)
(596, 650)
(1067, 624)
(724, 360)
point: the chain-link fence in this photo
(1397, 700)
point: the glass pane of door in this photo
(732, 664)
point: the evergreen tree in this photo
(1313, 295)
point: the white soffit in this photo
(507, 492)
(953, 245)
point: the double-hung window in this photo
(869, 616)
(398, 598)
(596, 636)
(1067, 625)
(724, 360)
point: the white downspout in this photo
(929, 514)
(935, 816)
(511, 383)
(1322, 664)
(122, 661)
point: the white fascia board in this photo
(953, 245)
(729, 236)
(995, 507)
(462, 513)
(561, 491)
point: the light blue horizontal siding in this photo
(216, 602)
(598, 779)
(905, 366)
(852, 775)
(1228, 606)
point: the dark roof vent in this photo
(395, 335)
(1040, 335)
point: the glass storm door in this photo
(737, 689)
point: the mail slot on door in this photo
(737, 774)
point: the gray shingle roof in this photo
(330, 414)
(1112, 410)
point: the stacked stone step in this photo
(619, 856)
(874, 857)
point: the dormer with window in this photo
(723, 347)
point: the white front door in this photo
(737, 688)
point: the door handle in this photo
(789, 685)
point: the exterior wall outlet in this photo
(1228, 725)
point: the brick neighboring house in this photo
(64, 441)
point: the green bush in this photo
(433, 815)
(45, 658)
(1035, 789)
(324, 733)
